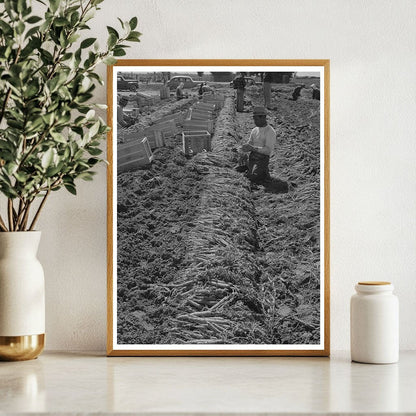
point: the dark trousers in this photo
(240, 100)
(258, 167)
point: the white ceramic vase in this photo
(22, 296)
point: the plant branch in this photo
(19, 215)
(39, 209)
(10, 213)
(35, 145)
(2, 225)
(26, 216)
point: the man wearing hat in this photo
(316, 94)
(260, 147)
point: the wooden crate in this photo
(199, 110)
(144, 100)
(176, 117)
(198, 115)
(164, 92)
(206, 125)
(155, 134)
(131, 156)
(156, 138)
(218, 100)
(195, 142)
(205, 106)
(169, 128)
(130, 134)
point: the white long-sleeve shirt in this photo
(263, 139)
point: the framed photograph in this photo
(218, 208)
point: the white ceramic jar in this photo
(374, 323)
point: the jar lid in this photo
(374, 283)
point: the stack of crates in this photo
(198, 125)
(216, 99)
(176, 117)
(204, 106)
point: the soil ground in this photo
(206, 257)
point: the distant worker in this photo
(260, 147)
(316, 93)
(239, 84)
(204, 88)
(179, 91)
(207, 88)
(123, 119)
(267, 89)
(296, 92)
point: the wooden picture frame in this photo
(204, 260)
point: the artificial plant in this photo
(50, 134)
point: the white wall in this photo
(371, 45)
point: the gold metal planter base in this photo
(20, 348)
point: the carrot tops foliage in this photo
(50, 134)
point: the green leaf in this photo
(10, 8)
(35, 125)
(133, 23)
(121, 22)
(112, 41)
(73, 38)
(60, 138)
(111, 30)
(61, 21)
(94, 129)
(94, 151)
(74, 18)
(71, 188)
(21, 6)
(54, 4)
(90, 115)
(31, 90)
(86, 176)
(10, 168)
(52, 171)
(87, 42)
(33, 19)
(21, 177)
(47, 158)
(48, 118)
(20, 27)
(119, 52)
(132, 38)
(7, 29)
(31, 31)
(110, 60)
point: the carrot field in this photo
(206, 257)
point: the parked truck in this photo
(124, 84)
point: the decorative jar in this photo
(374, 323)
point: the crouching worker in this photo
(260, 148)
(123, 119)
(179, 92)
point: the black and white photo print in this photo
(218, 208)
